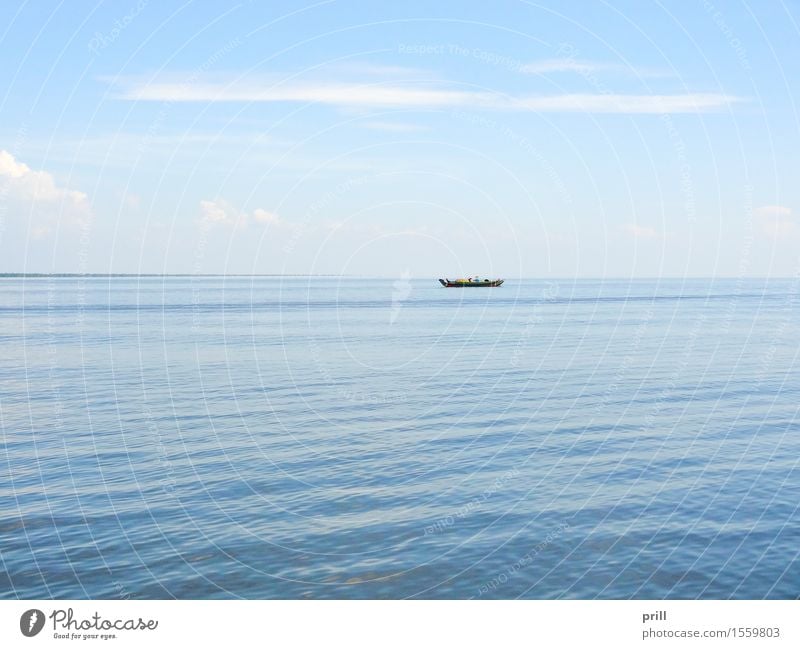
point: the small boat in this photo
(472, 281)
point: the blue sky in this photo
(624, 139)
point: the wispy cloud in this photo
(630, 104)
(421, 95)
(396, 127)
(583, 67)
(221, 212)
(562, 65)
(775, 220)
(364, 68)
(339, 94)
(641, 231)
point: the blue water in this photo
(355, 438)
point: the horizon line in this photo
(350, 276)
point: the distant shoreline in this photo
(8, 275)
(421, 277)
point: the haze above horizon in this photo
(350, 138)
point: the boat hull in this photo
(463, 284)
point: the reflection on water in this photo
(261, 438)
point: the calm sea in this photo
(264, 437)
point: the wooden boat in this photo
(459, 283)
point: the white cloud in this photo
(340, 94)
(38, 186)
(10, 167)
(384, 95)
(217, 212)
(561, 65)
(36, 194)
(628, 104)
(132, 201)
(394, 127)
(263, 216)
(363, 68)
(588, 67)
(220, 212)
(773, 210)
(640, 231)
(775, 220)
